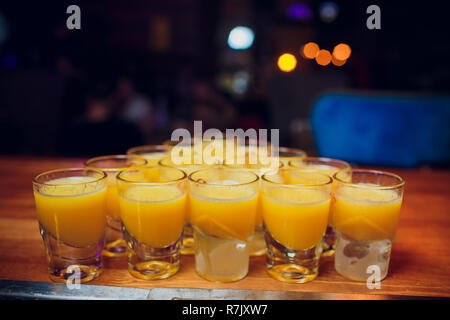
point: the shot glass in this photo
(187, 246)
(257, 246)
(290, 154)
(71, 209)
(152, 209)
(366, 207)
(330, 167)
(295, 206)
(151, 153)
(223, 210)
(114, 244)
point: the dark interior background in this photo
(62, 91)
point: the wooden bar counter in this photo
(419, 266)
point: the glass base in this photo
(151, 263)
(257, 245)
(293, 266)
(115, 244)
(353, 257)
(187, 246)
(70, 263)
(328, 248)
(75, 273)
(218, 259)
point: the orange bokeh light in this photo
(310, 50)
(287, 62)
(337, 62)
(323, 57)
(342, 52)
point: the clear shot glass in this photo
(151, 153)
(223, 210)
(366, 208)
(112, 164)
(330, 167)
(187, 246)
(152, 208)
(71, 209)
(295, 207)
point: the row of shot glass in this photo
(150, 209)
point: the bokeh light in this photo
(328, 11)
(241, 38)
(323, 57)
(287, 62)
(310, 50)
(337, 62)
(299, 11)
(342, 51)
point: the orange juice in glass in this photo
(114, 244)
(257, 245)
(290, 154)
(295, 207)
(366, 208)
(71, 208)
(223, 211)
(152, 209)
(188, 167)
(330, 167)
(152, 153)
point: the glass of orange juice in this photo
(187, 246)
(328, 166)
(223, 212)
(114, 244)
(71, 208)
(290, 154)
(295, 205)
(151, 153)
(366, 208)
(257, 245)
(152, 208)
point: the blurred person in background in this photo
(100, 130)
(133, 107)
(214, 109)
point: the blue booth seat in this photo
(403, 131)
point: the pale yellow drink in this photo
(223, 212)
(366, 209)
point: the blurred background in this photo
(137, 69)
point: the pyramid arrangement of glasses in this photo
(146, 205)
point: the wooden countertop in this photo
(420, 260)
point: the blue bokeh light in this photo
(241, 38)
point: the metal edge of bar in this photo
(30, 290)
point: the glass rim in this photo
(141, 149)
(401, 182)
(293, 151)
(265, 178)
(345, 165)
(177, 166)
(191, 179)
(102, 173)
(124, 180)
(243, 166)
(88, 163)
